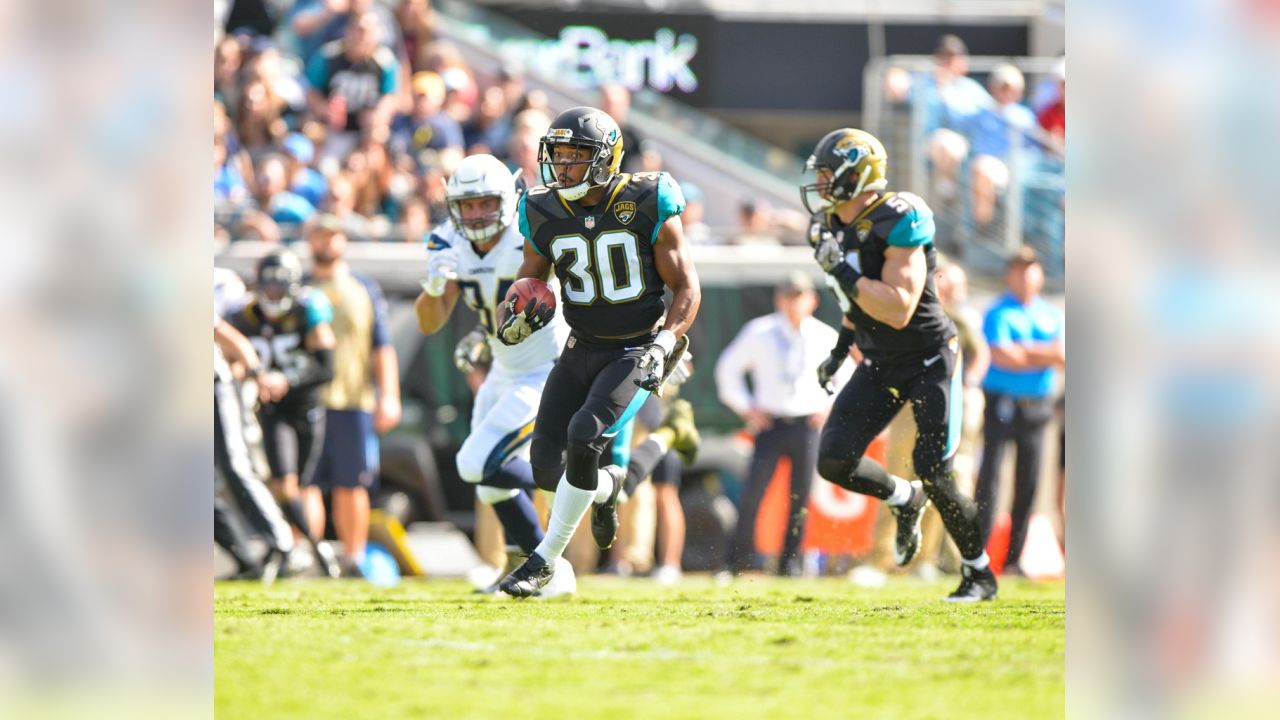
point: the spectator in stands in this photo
(304, 180)
(947, 97)
(994, 134)
(695, 230)
(533, 100)
(527, 129)
(363, 401)
(1053, 117)
(341, 204)
(274, 197)
(353, 83)
(264, 63)
(785, 409)
(754, 227)
(417, 29)
(426, 126)
(616, 101)
(461, 90)
(415, 223)
(260, 122)
(316, 23)
(254, 17)
(232, 170)
(1027, 343)
(490, 127)
(227, 58)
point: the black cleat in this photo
(528, 579)
(907, 542)
(976, 586)
(604, 516)
(680, 420)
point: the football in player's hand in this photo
(530, 291)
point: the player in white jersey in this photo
(476, 256)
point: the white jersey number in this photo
(580, 288)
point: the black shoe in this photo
(604, 516)
(274, 565)
(514, 559)
(907, 542)
(528, 579)
(791, 568)
(977, 585)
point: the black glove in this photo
(519, 326)
(829, 367)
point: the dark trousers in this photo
(794, 439)
(1022, 421)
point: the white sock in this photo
(567, 509)
(901, 492)
(978, 563)
(604, 486)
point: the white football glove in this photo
(653, 362)
(442, 266)
(828, 252)
(682, 371)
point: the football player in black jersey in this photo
(616, 244)
(289, 327)
(876, 247)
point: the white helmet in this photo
(482, 176)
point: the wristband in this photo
(665, 340)
(848, 279)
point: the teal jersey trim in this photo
(633, 407)
(913, 229)
(622, 444)
(319, 309)
(670, 202)
(522, 218)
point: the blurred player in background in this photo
(289, 327)
(616, 244)
(476, 256)
(877, 249)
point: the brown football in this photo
(529, 290)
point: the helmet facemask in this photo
(846, 167)
(484, 228)
(599, 165)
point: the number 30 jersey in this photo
(483, 281)
(610, 289)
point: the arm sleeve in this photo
(731, 369)
(670, 201)
(319, 309)
(913, 229)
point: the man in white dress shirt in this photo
(784, 408)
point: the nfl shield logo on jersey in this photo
(589, 221)
(624, 211)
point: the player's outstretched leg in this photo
(937, 422)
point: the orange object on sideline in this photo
(840, 522)
(998, 544)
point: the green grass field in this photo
(760, 648)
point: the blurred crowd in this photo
(981, 140)
(353, 108)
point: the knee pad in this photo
(493, 496)
(548, 463)
(470, 461)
